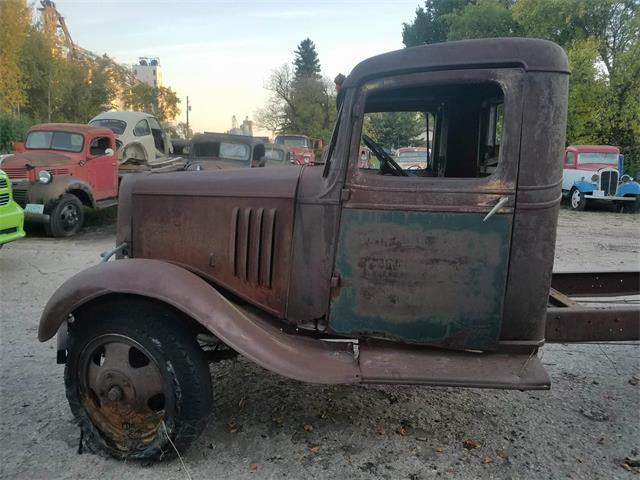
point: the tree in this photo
(301, 106)
(395, 129)
(15, 19)
(430, 25)
(602, 41)
(306, 60)
(159, 101)
(484, 19)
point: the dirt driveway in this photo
(265, 426)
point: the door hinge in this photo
(335, 281)
(345, 194)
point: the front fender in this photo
(629, 188)
(583, 186)
(46, 192)
(256, 338)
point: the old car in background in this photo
(180, 146)
(340, 274)
(277, 155)
(60, 168)
(300, 146)
(596, 172)
(215, 151)
(139, 136)
(413, 157)
(11, 215)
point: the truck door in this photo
(102, 169)
(423, 253)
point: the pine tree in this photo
(306, 62)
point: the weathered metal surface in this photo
(119, 395)
(529, 54)
(388, 364)
(251, 334)
(240, 242)
(544, 101)
(421, 277)
(593, 324)
(597, 284)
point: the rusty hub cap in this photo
(70, 217)
(123, 391)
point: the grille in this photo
(20, 197)
(15, 173)
(4, 199)
(609, 182)
(3, 183)
(251, 244)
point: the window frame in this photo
(50, 147)
(136, 126)
(504, 178)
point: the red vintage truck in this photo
(63, 167)
(60, 168)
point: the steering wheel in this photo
(387, 164)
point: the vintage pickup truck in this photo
(63, 167)
(60, 168)
(342, 274)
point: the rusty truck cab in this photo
(341, 274)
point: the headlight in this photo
(595, 177)
(625, 178)
(44, 176)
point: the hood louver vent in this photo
(252, 244)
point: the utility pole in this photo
(188, 109)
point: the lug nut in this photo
(114, 394)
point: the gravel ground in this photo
(266, 426)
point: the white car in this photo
(139, 135)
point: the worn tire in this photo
(577, 200)
(66, 217)
(180, 361)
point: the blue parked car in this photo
(596, 172)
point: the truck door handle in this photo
(495, 208)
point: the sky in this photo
(221, 53)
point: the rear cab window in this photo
(116, 126)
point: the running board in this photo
(385, 364)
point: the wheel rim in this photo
(70, 216)
(123, 391)
(575, 199)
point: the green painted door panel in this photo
(422, 277)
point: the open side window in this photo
(99, 145)
(435, 131)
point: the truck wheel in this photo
(577, 200)
(137, 383)
(632, 207)
(66, 217)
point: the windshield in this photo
(232, 151)
(116, 126)
(293, 141)
(274, 155)
(415, 156)
(68, 142)
(598, 157)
